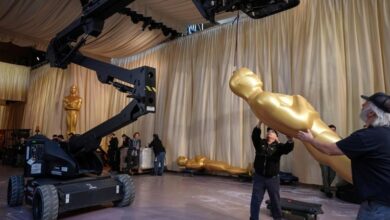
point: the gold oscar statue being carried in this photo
(72, 105)
(202, 163)
(288, 114)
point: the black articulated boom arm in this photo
(91, 22)
(138, 83)
(142, 82)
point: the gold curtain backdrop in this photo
(13, 81)
(330, 52)
(10, 115)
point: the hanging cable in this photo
(237, 19)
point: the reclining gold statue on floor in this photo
(288, 114)
(202, 163)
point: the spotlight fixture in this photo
(174, 35)
(253, 8)
(166, 30)
(155, 25)
(149, 23)
(135, 18)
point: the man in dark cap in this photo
(266, 176)
(369, 151)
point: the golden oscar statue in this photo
(72, 105)
(201, 162)
(288, 114)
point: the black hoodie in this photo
(157, 146)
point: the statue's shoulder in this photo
(302, 101)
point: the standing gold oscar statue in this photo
(288, 114)
(72, 105)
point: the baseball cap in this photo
(273, 130)
(380, 100)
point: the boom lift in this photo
(58, 178)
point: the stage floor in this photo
(177, 197)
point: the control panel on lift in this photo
(39, 150)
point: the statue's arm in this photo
(79, 102)
(324, 147)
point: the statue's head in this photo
(244, 83)
(74, 90)
(181, 160)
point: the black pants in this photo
(272, 185)
(113, 159)
(328, 176)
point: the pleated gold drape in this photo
(13, 81)
(10, 115)
(13, 91)
(329, 51)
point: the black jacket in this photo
(157, 146)
(267, 161)
(113, 143)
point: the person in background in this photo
(37, 130)
(267, 165)
(123, 153)
(54, 138)
(70, 135)
(113, 153)
(159, 155)
(133, 152)
(369, 151)
(60, 138)
(21, 151)
(62, 142)
(125, 140)
(328, 175)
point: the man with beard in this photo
(369, 151)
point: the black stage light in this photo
(174, 34)
(253, 8)
(147, 21)
(135, 18)
(155, 25)
(166, 30)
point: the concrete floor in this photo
(178, 197)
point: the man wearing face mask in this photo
(369, 151)
(267, 163)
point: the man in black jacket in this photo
(159, 153)
(267, 163)
(113, 153)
